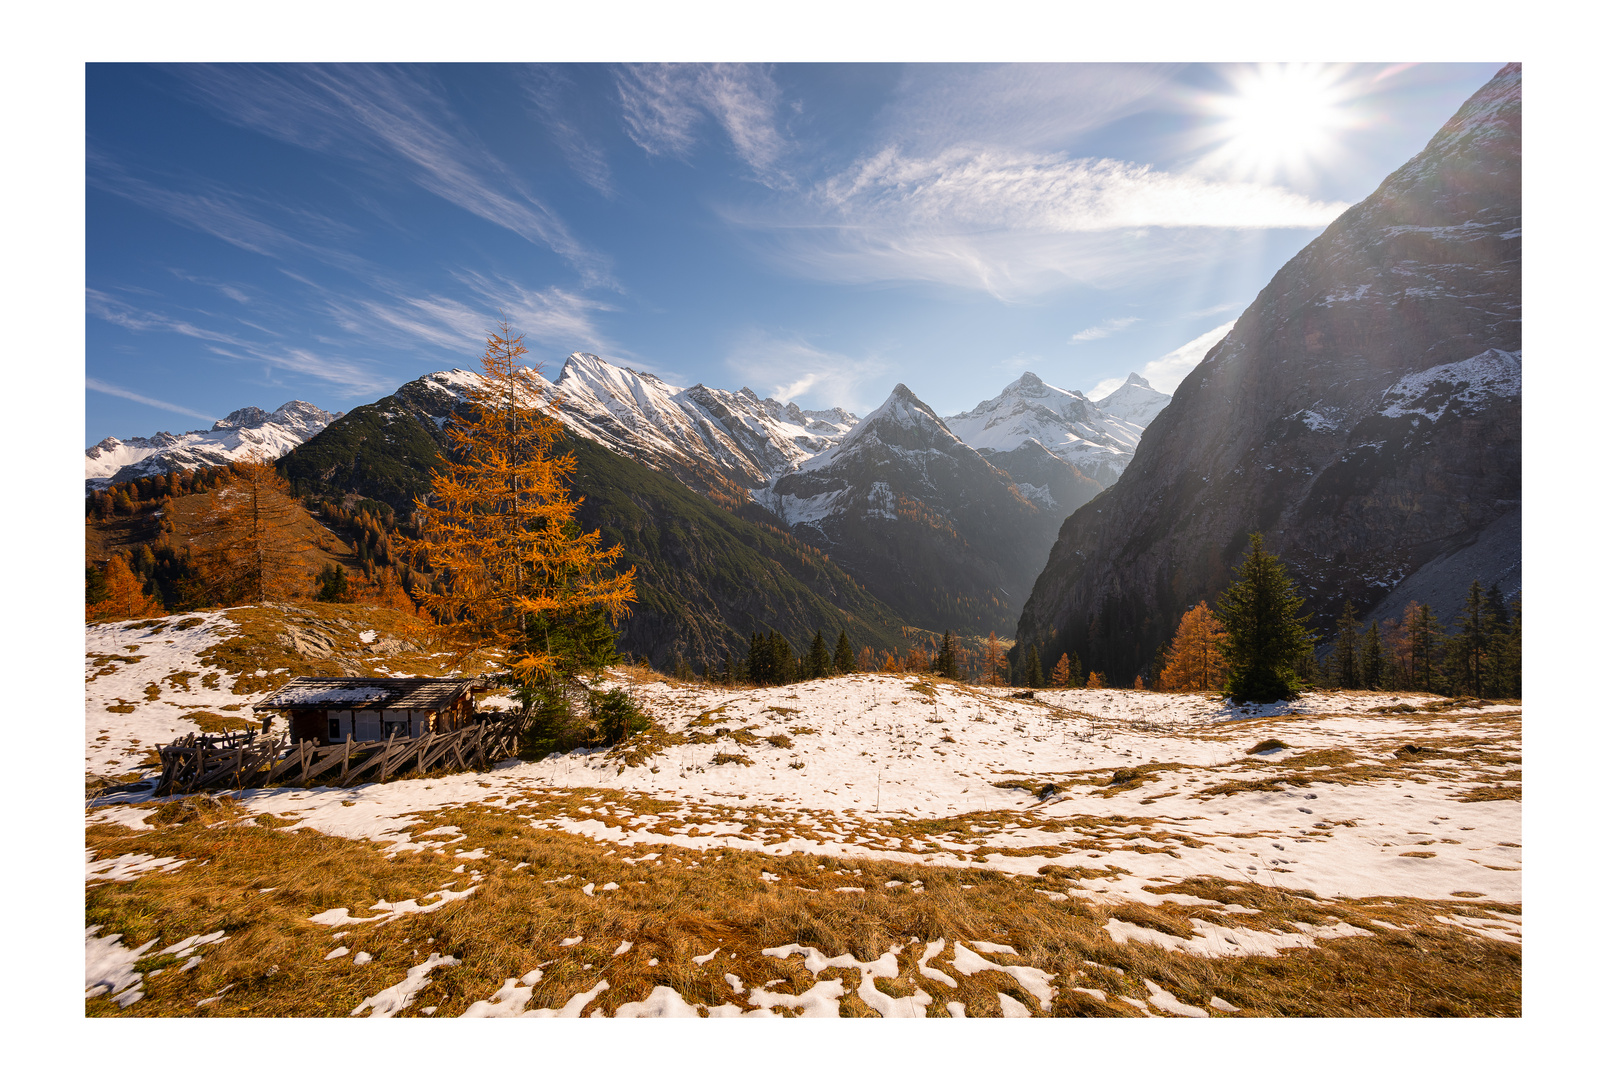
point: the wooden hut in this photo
(368, 710)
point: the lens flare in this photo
(1280, 120)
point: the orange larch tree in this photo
(1194, 660)
(499, 527)
(249, 541)
(124, 597)
(1062, 672)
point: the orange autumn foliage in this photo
(1194, 660)
(499, 527)
(124, 597)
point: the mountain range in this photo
(978, 519)
(244, 433)
(1363, 415)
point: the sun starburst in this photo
(1279, 122)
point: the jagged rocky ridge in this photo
(1363, 415)
(248, 432)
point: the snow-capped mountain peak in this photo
(1074, 429)
(1135, 401)
(245, 433)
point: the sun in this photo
(1280, 121)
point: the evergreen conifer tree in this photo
(843, 660)
(1470, 647)
(1347, 664)
(1267, 637)
(94, 585)
(947, 664)
(1512, 652)
(818, 665)
(333, 585)
(1034, 672)
(1372, 659)
(1423, 636)
(756, 667)
(1074, 674)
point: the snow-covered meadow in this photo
(1108, 802)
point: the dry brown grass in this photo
(260, 884)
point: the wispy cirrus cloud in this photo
(789, 368)
(236, 218)
(1012, 223)
(390, 117)
(120, 313)
(349, 375)
(1103, 330)
(553, 316)
(1025, 106)
(155, 403)
(664, 105)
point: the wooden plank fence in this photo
(198, 762)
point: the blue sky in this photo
(817, 232)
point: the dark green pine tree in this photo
(1499, 678)
(843, 661)
(1511, 653)
(1347, 664)
(1372, 658)
(818, 665)
(1423, 634)
(783, 668)
(333, 585)
(947, 664)
(1469, 648)
(1034, 672)
(757, 665)
(1076, 679)
(1267, 639)
(94, 584)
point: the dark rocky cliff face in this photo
(1363, 415)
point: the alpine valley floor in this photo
(857, 846)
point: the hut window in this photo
(334, 727)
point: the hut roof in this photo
(308, 692)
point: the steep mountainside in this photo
(707, 578)
(248, 432)
(1064, 422)
(1363, 415)
(923, 520)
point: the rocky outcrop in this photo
(1363, 415)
